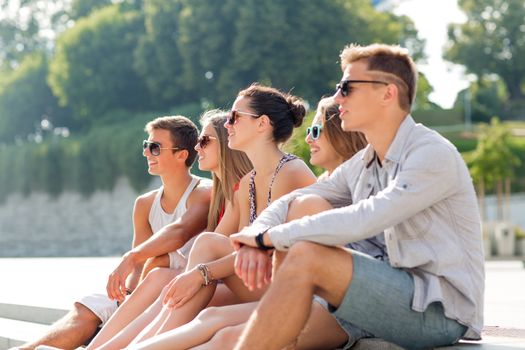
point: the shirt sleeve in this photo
(335, 190)
(429, 174)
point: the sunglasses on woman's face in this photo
(232, 117)
(346, 88)
(314, 131)
(204, 140)
(154, 147)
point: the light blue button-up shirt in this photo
(426, 207)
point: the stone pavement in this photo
(44, 287)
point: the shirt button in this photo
(369, 185)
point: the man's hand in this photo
(253, 266)
(116, 286)
(247, 237)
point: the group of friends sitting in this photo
(385, 243)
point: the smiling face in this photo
(360, 109)
(322, 152)
(167, 159)
(208, 156)
(242, 131)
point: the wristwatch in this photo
(259, 240)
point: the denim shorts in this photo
(379, 301)
(354, 333)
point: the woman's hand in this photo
(182, 288)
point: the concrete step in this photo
(29, 313)
(15, 332)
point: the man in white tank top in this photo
(165, 223)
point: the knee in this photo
(304, 257)
(207, 242)
(308, 204)
(226, 337)
(210, 314)
(83, 314)
(155, 262)
(159, 275)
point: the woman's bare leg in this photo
(143, 296)
(208, 247)
(201, 329)
(321, 332)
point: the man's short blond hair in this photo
(391, 63)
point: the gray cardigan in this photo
(427, 210)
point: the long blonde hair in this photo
(345, 143)
(233, 165)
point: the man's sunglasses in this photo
(232, 117)
(204, 140)
(314, 131)
(154, 147)
(345, 87)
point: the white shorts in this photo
(177, 261)
(100, 305)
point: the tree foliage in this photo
(213, 49)
(26, 99)
(92, 70)
(491, 41)
(493, 159)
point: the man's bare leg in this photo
(308, 269)
(73, 330)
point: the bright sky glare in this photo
(431, 18)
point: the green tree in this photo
(491, 41)
(157, 57)
(484, 99)
(213, 49)
(92, 70)
(492, 164)
(83, 8)
(26, 99)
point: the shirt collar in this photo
(396, 147)
(398, 144)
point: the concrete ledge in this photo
(15, 333)
(34, 314)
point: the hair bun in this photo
(297, 108)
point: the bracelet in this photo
(259, 240)
(206, 274)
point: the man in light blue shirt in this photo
(430, 292)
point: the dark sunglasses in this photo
(154, 147)
(314, 131)
(204, 140)
(345, 87)
(232, 117)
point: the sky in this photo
(431, 19)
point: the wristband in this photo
(206, 274)
(259, 240)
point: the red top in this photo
(223, 207)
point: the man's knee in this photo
(307, 204)
(83, 314)
(210, 315)
(305, 260)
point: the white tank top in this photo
(158, 218)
